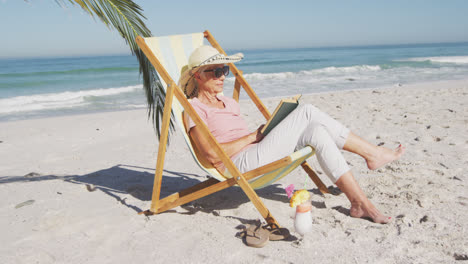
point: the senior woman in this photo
(307, 125)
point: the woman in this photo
(307, 125)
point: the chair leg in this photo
(173, 200)
(162, 148)
(189, 194)
(206, 188)
(195, 192)
(252, 195)
(322, 187)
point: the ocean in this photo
(41, 87)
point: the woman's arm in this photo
(230, 148)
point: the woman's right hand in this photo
(257, 135)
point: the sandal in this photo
(277, 233)
(256, 236)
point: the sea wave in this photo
(441, 59)
(67, 99)
(279, 62)
(342, 70)
(329, 71)
(74, 71)
(346, 78)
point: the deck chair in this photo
(168, 55)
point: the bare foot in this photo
(384, 156)
(360, 211)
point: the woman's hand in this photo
(257, 135)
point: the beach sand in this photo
(71, 187)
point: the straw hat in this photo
(202, 56)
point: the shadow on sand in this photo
(122, 180)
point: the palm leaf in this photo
(125, 16)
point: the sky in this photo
(42, 28)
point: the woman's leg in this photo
(309, 126)
(285, 138)
(337, 131)
(336, 168)
(279, 143)
(375, 156)
(328, 154)
(361, 207)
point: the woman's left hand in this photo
(259, 135)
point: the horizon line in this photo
(84, 55)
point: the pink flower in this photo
(289, 190)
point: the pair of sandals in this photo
(258, 235)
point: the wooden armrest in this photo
(267, 168)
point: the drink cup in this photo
(303, 219)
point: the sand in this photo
(71, 187)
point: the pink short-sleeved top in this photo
(226, 124)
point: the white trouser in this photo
(306, 125)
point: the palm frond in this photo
(125, 16)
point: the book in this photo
(283, 109)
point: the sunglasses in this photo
(218, 72)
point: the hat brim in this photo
(222, 59)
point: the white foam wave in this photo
(446, 59)
(58, 100)
(344, 78)
(343, 70)
(329, 71)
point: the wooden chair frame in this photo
(211, 185)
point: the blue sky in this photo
(43, 28)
